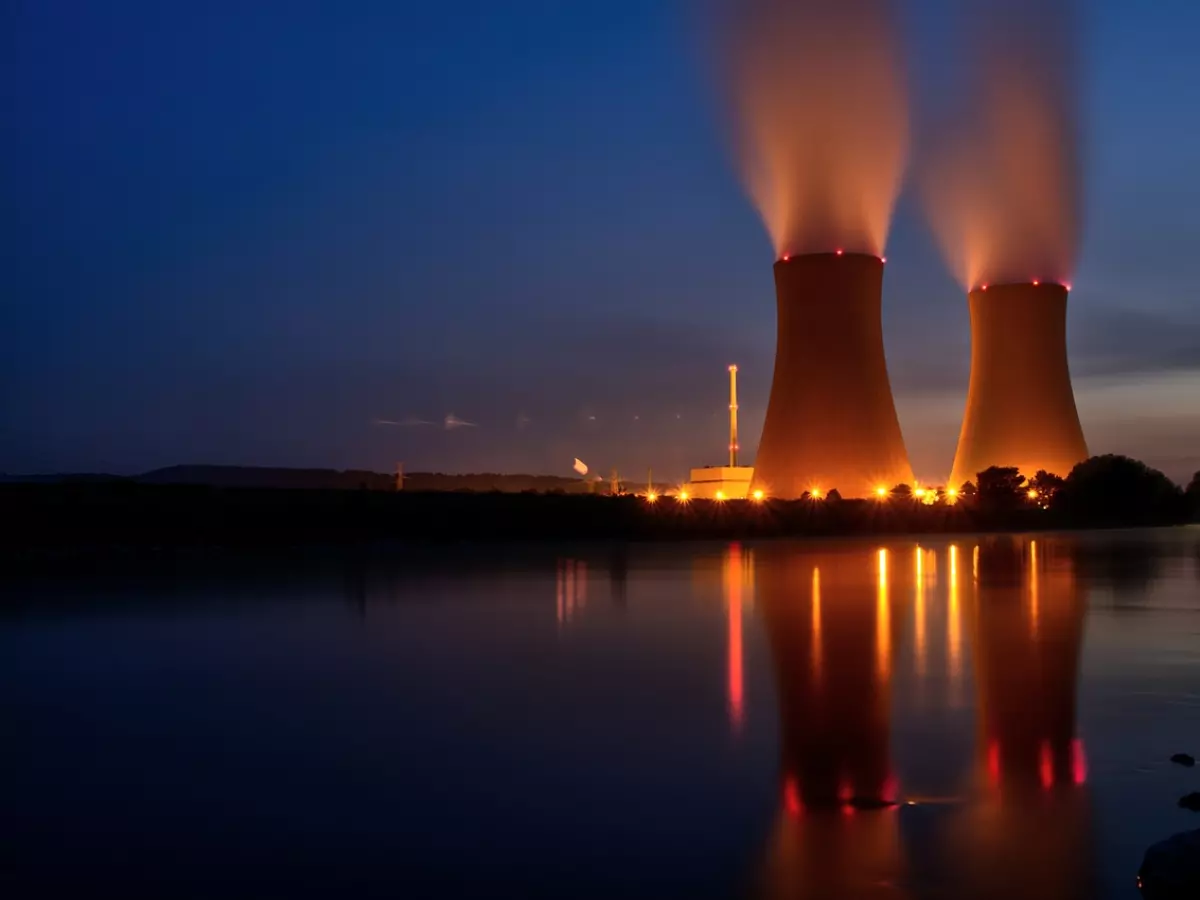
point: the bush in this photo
(1120, 491)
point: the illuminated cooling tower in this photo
(1020, 407)
(831, 422)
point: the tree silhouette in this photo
(902, 490)
(1047, 486)
(1193, 495)
(1121, 491)
(1001, 487)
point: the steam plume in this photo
(1002, 180)
(820, 117)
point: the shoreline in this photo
(80, 520)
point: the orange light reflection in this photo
(733, 598)
(816, 625)
(919, 611)
(883, 630)
(954, 627)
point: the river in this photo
(975, 716)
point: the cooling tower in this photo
(1020, 406)
(831, 422)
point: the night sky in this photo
(245, 233)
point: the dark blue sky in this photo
(242, 232)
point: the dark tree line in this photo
(1101, 491)
(1106, 491)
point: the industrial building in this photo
(1020, 406)
(719, 483)
(731, 482)
(831, 422)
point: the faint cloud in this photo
(411, 422)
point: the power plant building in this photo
(831, 422)
(1020, 406)
(719, 483)
(731, 482)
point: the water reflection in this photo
(734, 579)
(954, 629)
(1126, 566)
(831, 627)
(1027, 828)
(539, 720)
(570, 589)
(844, 826)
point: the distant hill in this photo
(489, 481)
(263, 477)
(324, 479)
(59, 478)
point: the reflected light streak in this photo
(919, 611)
(883, 630)
(570, 589)
(733, 600)
(1046, 765)
(993, 762)
(559, 605)
(1079, 767)
(580, 585)
(891, 788)
(570, 577)
(816, 625)
(954, 626)
(1033, 586)
(791, 797)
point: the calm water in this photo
(710, 720)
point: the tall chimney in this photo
(733, 408)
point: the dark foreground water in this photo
(682, 721)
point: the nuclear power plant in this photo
(831, 422)
(1002, 184)
(818, 105)
(1020, 406)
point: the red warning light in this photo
(1036, 282)
(839, 253)
(791, 797)
(1078, 762)
(1046, 765)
